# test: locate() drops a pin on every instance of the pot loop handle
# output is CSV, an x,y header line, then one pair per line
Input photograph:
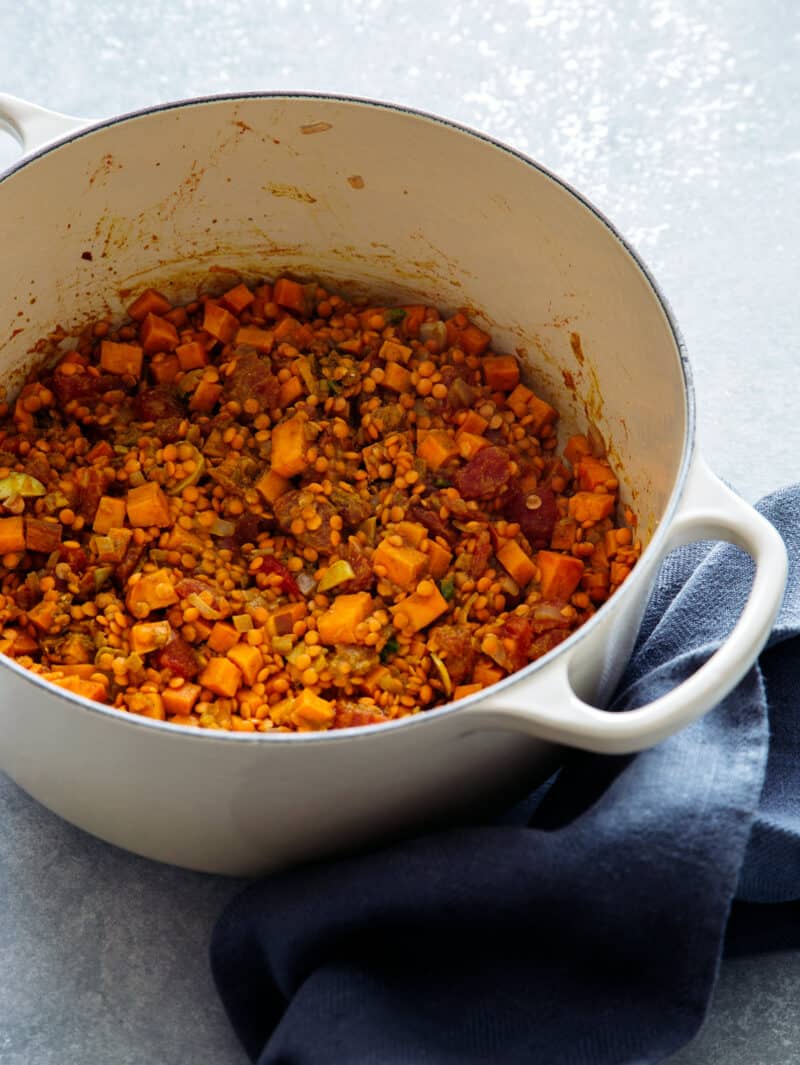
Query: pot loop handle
x,y
33,126
547,706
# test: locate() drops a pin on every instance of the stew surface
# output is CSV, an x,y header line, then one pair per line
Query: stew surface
x,y
276,510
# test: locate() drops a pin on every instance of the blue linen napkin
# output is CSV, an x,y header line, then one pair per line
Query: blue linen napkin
x,y
586,925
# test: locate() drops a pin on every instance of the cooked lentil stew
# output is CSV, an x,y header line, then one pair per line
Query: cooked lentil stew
x,y
277,510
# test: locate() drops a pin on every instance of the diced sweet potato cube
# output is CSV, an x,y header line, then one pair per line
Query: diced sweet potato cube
x,y
473,423
397,377
338,623
164,368
591,506
290,294
289,448
439,559
251,336
473,340
594,473
222,638
219,323
412,532
147,704
205,396
42,615
564,532
543,414
577,447
436,448
150,302
12,535
238,298
153,591
271,485
192,355
93,688
157,334
559,575
147,505
121,358
110,514
402,565
290,391
181,700
463,690
519,399
469,444
222,677
312,711
516,563
417,611
249,660
394,351
282,621
500,372
111,548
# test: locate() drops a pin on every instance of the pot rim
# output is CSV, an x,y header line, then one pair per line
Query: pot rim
x,y
620,596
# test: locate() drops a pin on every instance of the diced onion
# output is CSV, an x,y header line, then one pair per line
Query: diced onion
x,y
442,670
305,582
202,607
221,527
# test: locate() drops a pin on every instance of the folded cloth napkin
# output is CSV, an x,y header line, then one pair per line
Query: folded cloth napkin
x,y
584,927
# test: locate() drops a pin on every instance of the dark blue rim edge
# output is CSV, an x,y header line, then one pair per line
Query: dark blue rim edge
x,y
416,720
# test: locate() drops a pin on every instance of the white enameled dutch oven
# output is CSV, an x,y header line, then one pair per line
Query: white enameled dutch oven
x,y
367,198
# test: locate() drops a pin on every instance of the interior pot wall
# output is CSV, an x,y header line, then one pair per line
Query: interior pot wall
x,y
368,199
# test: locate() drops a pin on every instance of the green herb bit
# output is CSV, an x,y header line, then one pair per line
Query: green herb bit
x,y
391,647
448,588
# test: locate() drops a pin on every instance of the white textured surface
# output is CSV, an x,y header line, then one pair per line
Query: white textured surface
x,y
679,119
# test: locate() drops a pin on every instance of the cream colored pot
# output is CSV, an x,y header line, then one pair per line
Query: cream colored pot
x,y
365,197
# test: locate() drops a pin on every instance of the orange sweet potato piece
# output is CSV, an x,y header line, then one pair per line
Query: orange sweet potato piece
x,y
222,638
559,575
394,351
92,688
436,448
290,294
415,316
412,532
110,514
12,535
164,368
181,700
290,390
473,423
576,448
397,377
469,444
519,399
250,336
121,358
518,565
238,298
192,355
148,704
219,323
222,677
403,565
593,473
419,610
42,614
205,396
501,372
248,659
157,334
271,485
463,690
153,591
591,506
474,341
439,559
147,505
337,624
289,448
150,302
312,711
148,636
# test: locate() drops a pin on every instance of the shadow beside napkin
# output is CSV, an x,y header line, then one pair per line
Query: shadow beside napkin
x,y
586,927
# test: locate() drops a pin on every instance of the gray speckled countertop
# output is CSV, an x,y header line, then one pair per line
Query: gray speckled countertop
x,y
679,119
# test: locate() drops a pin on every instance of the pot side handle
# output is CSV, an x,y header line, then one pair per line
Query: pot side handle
x,y
33,126
546,705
